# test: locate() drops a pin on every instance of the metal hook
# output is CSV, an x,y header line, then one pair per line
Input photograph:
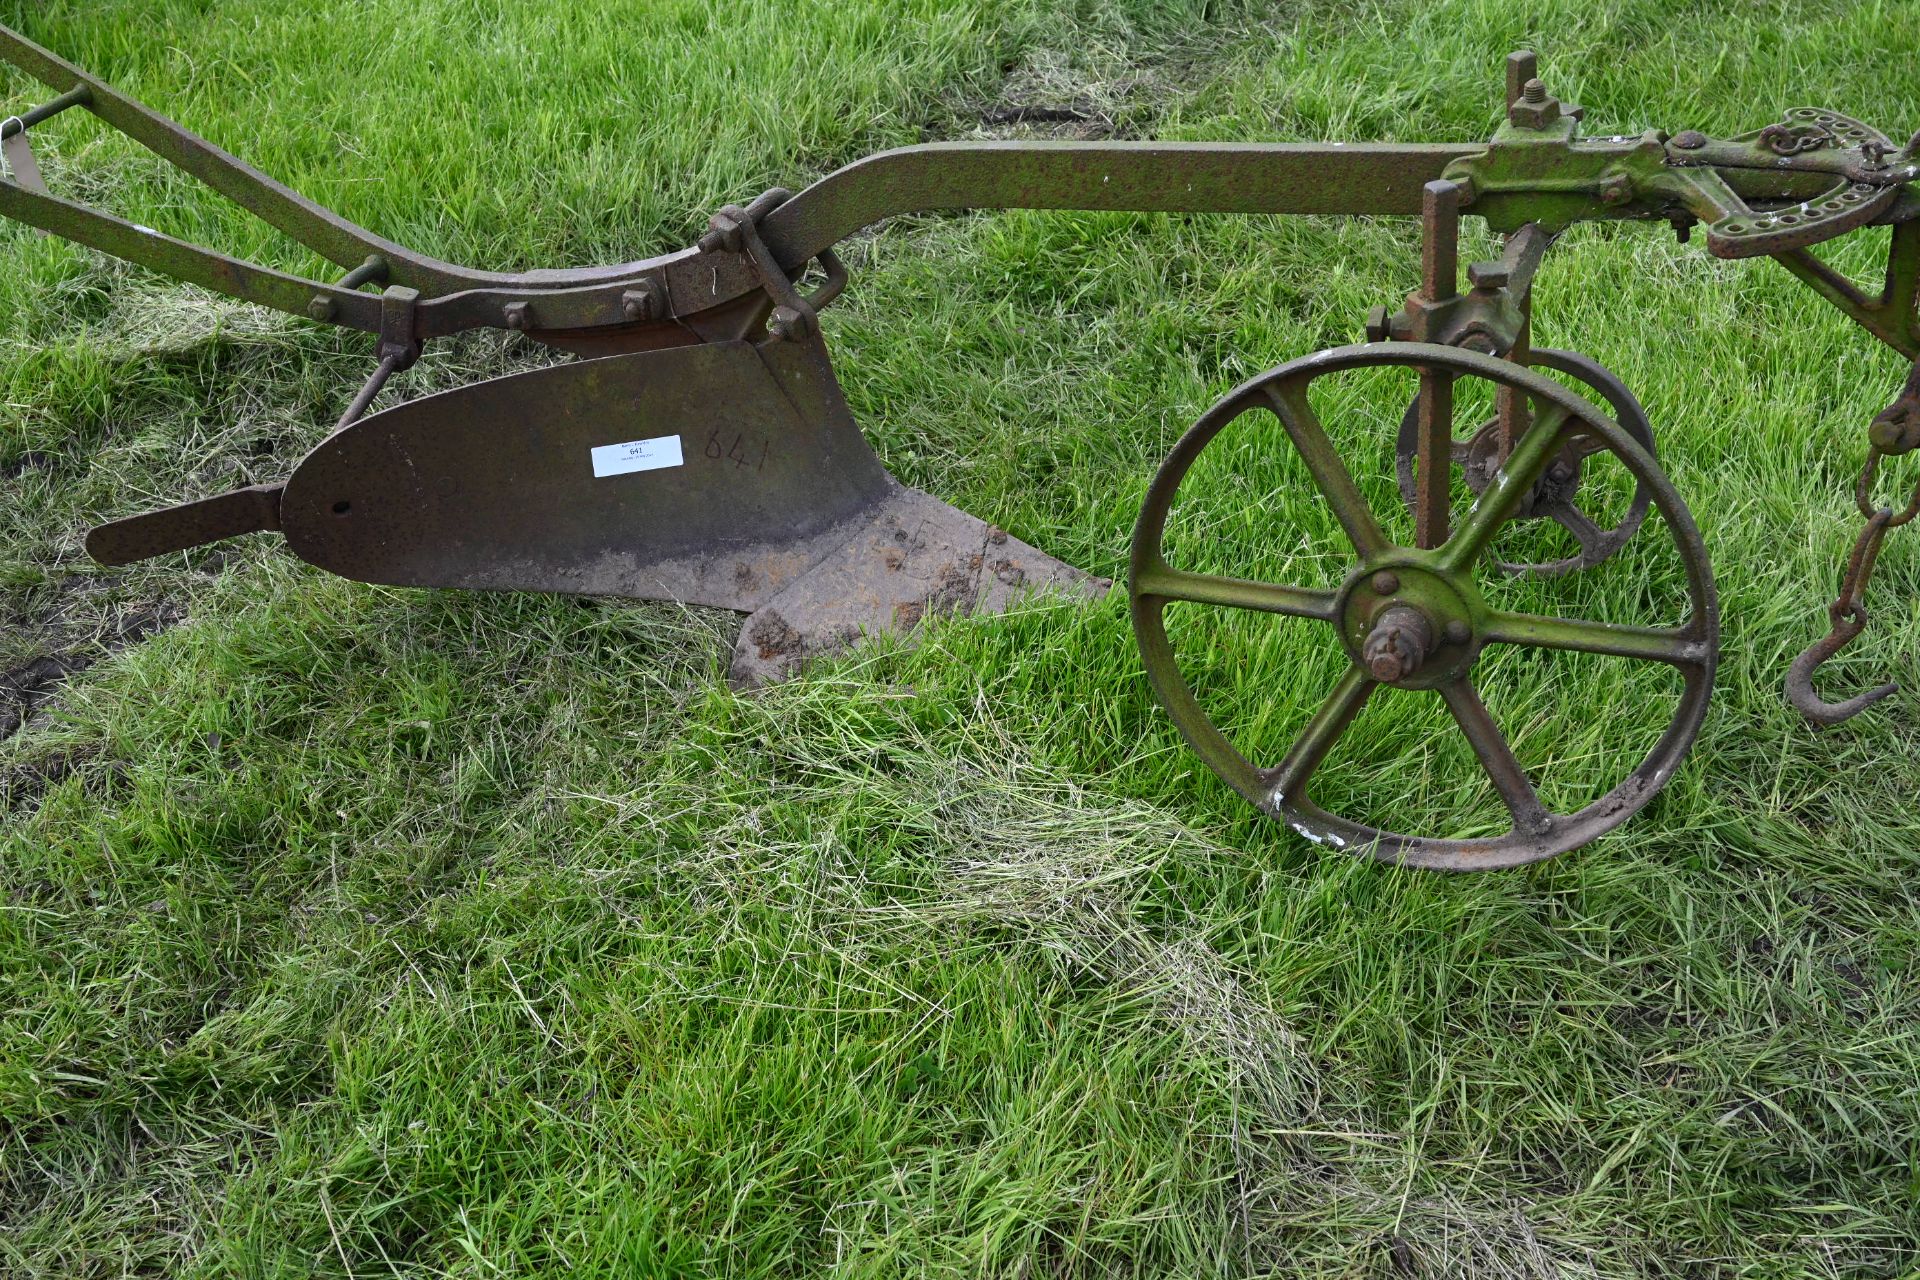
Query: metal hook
x,y
1849,619
1798,688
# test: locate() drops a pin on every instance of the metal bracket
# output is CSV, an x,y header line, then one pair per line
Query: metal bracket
x,y
399,326
737,230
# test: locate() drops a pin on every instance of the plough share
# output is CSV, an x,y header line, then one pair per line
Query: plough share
x,y
701,450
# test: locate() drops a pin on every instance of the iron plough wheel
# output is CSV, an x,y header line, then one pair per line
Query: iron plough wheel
x,y
1415,620
1556,494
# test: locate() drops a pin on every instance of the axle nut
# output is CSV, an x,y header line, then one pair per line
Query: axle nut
x,y
1398,644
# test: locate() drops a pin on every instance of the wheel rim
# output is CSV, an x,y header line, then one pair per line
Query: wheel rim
x,y
1453,626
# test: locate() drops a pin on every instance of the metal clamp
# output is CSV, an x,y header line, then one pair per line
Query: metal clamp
x,y
737,230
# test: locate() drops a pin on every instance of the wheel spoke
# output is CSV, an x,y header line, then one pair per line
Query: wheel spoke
x,y
1593,542
1645,644
1577,522
1504,490
1289,403
1496,757
1289,778
1236,593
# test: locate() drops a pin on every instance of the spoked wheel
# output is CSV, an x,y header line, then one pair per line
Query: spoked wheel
x,y
1556,496
1414,621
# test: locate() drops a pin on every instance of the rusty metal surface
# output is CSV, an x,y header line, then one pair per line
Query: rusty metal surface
x,y
191,524
914,560
492,486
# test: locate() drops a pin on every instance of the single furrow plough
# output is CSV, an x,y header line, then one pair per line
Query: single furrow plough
x,y
702,451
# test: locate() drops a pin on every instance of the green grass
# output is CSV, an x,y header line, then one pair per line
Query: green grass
x,y
357,931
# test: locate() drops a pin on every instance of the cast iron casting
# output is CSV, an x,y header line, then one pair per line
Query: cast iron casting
x,y
700,449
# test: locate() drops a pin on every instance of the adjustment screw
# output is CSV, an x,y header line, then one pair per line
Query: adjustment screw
x,y
1386,583
1458,632
516,314
1690,140
1534,90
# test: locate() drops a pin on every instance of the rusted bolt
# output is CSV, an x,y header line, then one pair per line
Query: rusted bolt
x,y
725,230
321,308
788,324
1386,582
1534,90
518,316
1560,472
1488,276
1398,643
1689,140
645,302
1378,325
1458,632
1616,190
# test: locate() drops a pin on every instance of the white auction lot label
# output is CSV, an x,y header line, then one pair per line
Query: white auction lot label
x,y
636,455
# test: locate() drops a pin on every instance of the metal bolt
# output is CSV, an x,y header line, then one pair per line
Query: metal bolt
x,y
321,308
1379,327
1690,140
1458,632
787,324
1386,582
1488,276
1534,90
1616,190
643,303
517,316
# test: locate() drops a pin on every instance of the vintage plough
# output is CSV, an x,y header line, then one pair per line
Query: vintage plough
x,y
702,451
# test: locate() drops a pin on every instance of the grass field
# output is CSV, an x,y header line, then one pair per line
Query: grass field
x,y
350,931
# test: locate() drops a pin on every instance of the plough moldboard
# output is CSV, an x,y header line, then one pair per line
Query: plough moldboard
x,y
701,450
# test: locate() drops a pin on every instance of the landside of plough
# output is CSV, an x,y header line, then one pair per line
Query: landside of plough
x,y
701,450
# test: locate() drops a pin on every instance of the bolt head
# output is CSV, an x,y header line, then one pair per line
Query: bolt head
x,y
643,303
1386,582
516,315
1689,140
1488,275
1458,632
1616,190
321,308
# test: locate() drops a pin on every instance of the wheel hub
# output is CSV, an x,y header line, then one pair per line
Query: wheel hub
x,y
1410,625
